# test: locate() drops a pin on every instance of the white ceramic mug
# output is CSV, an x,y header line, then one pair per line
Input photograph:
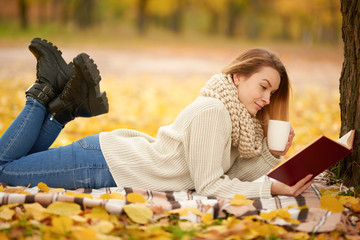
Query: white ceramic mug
x,y
278,134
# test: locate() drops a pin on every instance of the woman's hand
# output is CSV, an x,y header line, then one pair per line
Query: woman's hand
x,y
279,188
288,145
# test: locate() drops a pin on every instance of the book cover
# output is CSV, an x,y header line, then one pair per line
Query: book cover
x,y
315,158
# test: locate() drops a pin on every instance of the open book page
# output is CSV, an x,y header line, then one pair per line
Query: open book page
x,y
347,139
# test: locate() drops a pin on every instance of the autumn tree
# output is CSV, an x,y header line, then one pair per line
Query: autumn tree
x,y
177,16
141,16
23,7
84,16
235,8
349,169
215,9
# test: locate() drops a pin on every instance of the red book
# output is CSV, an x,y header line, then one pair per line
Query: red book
x,y
315,158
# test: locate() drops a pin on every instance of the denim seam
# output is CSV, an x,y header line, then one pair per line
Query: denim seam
x,y
33,105
55,171
86,146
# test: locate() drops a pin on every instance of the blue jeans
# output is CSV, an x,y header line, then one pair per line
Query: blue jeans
x,y
25,157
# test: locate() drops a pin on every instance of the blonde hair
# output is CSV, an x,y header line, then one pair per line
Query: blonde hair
x,y
249,63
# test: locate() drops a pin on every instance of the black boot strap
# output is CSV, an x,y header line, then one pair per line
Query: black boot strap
x,y
41,92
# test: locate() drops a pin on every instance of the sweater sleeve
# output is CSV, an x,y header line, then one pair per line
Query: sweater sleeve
x,y
210,136
251,169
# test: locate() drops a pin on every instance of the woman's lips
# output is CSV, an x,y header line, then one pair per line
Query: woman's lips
x,y
259,107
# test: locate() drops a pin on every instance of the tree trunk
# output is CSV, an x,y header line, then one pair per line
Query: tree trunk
x,y
213,28
141,16
23,7
84,15
176,18
232,18
349,168
65,11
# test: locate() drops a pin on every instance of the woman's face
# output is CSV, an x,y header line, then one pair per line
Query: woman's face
x,y
255,91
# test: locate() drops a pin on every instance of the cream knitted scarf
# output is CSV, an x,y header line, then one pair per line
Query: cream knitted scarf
x,y
247,133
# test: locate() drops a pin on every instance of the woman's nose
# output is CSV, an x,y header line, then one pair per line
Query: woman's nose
x,y
266,98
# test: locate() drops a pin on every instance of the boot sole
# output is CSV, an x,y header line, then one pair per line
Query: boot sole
x,y
38,43
97,100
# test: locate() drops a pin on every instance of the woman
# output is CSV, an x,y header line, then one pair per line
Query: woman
x,y
215,146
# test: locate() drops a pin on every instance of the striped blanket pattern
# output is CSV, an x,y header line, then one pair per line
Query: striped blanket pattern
x,y
312,218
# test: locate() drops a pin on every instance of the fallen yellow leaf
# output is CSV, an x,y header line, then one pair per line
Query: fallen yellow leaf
x,y
78,218
104,227
330,203
135,198
185,211
281,213
43,187
239,200
79,195
57,190
180,211
114,195
81,233
138,213
61,224
268,215
348,200
25,192
207,218
63,208
6,213
355,207
98,212
300,236
35,210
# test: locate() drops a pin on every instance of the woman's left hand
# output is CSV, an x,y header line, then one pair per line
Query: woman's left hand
x,y
288,145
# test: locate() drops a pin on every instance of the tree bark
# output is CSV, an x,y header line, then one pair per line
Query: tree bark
x,y
349,168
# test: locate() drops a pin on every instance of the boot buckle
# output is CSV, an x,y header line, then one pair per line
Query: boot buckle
x,y
42,96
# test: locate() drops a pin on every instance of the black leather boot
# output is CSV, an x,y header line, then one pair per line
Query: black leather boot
x,y
81,96
52,72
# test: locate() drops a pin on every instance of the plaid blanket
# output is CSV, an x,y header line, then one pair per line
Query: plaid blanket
x,y
312,218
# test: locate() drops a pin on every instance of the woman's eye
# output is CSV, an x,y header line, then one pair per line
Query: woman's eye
x,y
263,87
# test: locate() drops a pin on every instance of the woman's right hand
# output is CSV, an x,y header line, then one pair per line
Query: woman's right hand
x,y
279,188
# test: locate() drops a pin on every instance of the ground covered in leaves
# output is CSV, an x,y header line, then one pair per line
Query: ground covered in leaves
x,y
65,220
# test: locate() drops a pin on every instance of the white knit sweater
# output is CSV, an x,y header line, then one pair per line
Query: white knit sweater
x,y
192,153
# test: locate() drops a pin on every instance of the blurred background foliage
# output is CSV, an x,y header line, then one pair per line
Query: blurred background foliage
x,y
308,21
155,55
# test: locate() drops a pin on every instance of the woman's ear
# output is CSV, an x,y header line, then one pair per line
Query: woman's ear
x,y
236,79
